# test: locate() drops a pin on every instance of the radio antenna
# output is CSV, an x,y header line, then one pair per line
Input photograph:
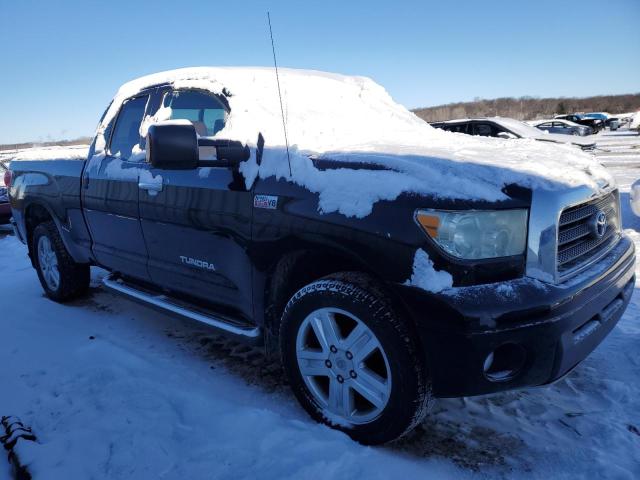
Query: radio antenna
x,y
275,63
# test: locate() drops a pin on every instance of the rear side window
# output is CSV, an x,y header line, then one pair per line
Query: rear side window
x,y
459,128
127,130
206,111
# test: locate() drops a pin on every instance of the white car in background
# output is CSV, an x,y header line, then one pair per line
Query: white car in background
x,y
510,128
635,122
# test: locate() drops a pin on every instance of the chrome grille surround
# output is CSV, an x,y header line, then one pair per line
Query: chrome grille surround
x,y
577,245
546,236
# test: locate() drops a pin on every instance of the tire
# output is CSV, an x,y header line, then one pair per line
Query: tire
x,y
72,278
398,363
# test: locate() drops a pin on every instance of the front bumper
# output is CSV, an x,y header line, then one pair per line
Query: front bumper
x,y
555,325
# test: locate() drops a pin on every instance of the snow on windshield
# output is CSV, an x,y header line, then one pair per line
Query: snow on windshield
x,y
355,119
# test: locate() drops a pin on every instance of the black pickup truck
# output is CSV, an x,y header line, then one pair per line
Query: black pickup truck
x,y
373,313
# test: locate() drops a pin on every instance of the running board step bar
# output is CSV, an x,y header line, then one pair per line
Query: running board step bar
x,y
165,304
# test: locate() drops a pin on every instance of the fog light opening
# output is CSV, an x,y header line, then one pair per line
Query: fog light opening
x,y
504,363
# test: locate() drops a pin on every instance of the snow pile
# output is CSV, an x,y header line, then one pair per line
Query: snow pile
x,y
354,119
111,396
426,277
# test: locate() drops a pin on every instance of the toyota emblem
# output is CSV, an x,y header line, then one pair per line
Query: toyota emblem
x,y
599,224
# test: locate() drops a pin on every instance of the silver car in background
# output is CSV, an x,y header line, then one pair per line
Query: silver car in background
x,y
563,127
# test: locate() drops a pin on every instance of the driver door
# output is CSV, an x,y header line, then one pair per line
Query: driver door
x,y
197,226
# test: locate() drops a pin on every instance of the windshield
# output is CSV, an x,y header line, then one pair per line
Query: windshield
x,y
519,128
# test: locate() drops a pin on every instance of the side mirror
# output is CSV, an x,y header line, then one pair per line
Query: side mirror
x,y
172,145
229,153
506,135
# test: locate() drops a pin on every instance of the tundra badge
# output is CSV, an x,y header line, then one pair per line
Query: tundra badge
x,y
198,263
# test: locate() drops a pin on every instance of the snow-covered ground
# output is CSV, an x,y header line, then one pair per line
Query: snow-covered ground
x,y
114,390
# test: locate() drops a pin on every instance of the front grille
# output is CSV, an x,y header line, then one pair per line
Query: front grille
x,y
577,241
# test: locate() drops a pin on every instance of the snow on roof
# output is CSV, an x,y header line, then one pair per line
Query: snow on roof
x,y
354,119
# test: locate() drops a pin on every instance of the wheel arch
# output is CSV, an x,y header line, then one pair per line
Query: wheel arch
x,y
297,268
36,213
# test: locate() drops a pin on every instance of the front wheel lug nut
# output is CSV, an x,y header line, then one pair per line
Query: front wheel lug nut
x,y
349,355
328,363
353,374
340,379
333,349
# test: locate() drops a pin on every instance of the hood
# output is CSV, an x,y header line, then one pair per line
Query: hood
x,y
451,166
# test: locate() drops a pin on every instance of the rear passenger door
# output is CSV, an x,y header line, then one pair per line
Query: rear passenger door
x,y
559,127
197,228
110,194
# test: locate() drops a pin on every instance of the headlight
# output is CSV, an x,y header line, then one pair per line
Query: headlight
x,y
476,234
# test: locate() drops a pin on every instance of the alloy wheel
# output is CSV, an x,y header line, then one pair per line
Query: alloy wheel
x,y
343,365
48,263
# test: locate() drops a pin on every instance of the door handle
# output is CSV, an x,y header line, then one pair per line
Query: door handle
x,y
150,186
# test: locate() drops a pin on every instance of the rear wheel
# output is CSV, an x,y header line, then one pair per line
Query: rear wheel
x,y
351,361
61,277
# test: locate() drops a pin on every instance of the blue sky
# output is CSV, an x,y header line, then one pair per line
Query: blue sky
x,y
62,61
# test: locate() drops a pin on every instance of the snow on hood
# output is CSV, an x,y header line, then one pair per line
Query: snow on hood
x,y
354,119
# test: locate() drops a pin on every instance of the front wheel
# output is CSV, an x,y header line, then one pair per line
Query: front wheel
x,y
61,277
352,362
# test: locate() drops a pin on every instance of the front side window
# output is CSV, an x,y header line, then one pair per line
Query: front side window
x,y
206,111
485,130
126,134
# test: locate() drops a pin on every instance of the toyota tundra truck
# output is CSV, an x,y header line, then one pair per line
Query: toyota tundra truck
x,y
386,263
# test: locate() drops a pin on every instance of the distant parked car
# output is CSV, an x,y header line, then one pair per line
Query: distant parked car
x,y
634,124
5,208
611,122
564,127
595,123
503,127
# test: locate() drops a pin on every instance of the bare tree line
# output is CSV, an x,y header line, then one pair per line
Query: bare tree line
x,y
530,108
